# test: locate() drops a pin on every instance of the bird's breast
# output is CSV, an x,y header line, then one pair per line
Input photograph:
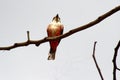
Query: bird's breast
x,y
54,30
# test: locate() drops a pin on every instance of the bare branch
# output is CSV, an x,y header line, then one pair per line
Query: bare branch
x,y
118,69
96,62
28,35
114,61
46,39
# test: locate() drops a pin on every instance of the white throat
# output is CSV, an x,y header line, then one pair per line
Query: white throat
x,y
54,22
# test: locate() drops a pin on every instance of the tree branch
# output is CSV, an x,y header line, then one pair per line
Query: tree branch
x,y
118,69
28,35
114,61
46,39
96,62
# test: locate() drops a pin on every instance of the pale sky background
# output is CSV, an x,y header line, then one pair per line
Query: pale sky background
x,y
74,55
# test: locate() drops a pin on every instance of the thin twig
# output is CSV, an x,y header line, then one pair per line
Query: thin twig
x,y
96,62
46,39
118,69
114,61
28,35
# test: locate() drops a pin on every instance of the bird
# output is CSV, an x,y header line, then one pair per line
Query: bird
x,y
55,28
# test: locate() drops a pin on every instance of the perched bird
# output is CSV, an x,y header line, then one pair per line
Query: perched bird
x,y
55,28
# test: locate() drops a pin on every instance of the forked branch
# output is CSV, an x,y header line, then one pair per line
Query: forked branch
x,y
114,61
96,64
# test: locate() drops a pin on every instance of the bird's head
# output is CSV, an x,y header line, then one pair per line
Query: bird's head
x,y
56,18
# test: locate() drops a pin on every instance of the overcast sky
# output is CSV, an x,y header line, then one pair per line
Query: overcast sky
x,y
74,54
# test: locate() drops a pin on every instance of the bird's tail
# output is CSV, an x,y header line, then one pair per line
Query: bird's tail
x,y
51,55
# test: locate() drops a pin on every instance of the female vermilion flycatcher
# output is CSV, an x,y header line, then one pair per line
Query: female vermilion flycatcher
x,y
54,29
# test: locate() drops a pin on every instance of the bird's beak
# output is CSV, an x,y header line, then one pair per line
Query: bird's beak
x,y
57,16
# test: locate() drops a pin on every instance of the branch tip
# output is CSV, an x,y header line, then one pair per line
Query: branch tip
x,y
28,35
